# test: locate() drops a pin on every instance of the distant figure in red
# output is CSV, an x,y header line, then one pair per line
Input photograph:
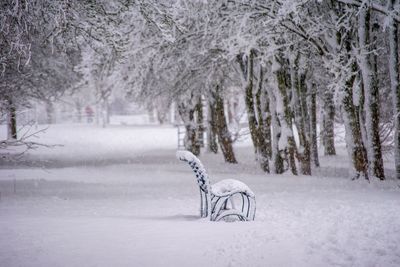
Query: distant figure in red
x,y
89,114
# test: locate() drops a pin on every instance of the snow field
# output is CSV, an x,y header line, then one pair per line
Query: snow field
x,y
118,196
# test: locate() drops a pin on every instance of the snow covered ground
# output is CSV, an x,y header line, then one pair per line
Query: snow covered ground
x,y
118,197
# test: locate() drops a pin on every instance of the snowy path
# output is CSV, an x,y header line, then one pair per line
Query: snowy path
x,y
110,204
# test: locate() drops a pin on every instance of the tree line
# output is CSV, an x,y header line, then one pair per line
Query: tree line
x,y
290,59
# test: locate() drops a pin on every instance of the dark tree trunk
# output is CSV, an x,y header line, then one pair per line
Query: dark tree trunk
x,y
249,100
287,120
11,120
306,129
354,141
371,95
191,135
257,112
212,128
78,106
301,118
161,116
304,156
49,112
395,83
264,125
276,156
200,122
328,127
378,168
187,114
313,126
353,129
224,136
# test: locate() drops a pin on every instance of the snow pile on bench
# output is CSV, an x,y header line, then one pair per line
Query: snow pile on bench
x,y
230,187
186,156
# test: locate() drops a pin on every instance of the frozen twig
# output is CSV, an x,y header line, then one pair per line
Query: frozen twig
x,y
14,149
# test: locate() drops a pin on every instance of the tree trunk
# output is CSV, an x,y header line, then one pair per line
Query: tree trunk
x,y
286,120
301,116
249,100
264,125
354,143
230,111
350,113
394,83
371,96
187,114
306,131
224,137
11,119
276,156
312,104
258,119
212,128
328,126
49,112
161,115
108,114
98,113
200,122
78,106
104,113
191,143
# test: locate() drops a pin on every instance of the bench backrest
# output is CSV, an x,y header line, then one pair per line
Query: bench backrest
x,y
201,175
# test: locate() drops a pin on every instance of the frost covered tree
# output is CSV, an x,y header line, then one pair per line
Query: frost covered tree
x,y
274,46
37,60
34,54
393,36
297,62
371,92
39,50
178,65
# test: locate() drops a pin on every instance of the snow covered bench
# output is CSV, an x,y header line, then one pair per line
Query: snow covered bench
x,y
217,200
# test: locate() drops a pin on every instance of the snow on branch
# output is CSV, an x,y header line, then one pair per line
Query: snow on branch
x,y
376,7
14,149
